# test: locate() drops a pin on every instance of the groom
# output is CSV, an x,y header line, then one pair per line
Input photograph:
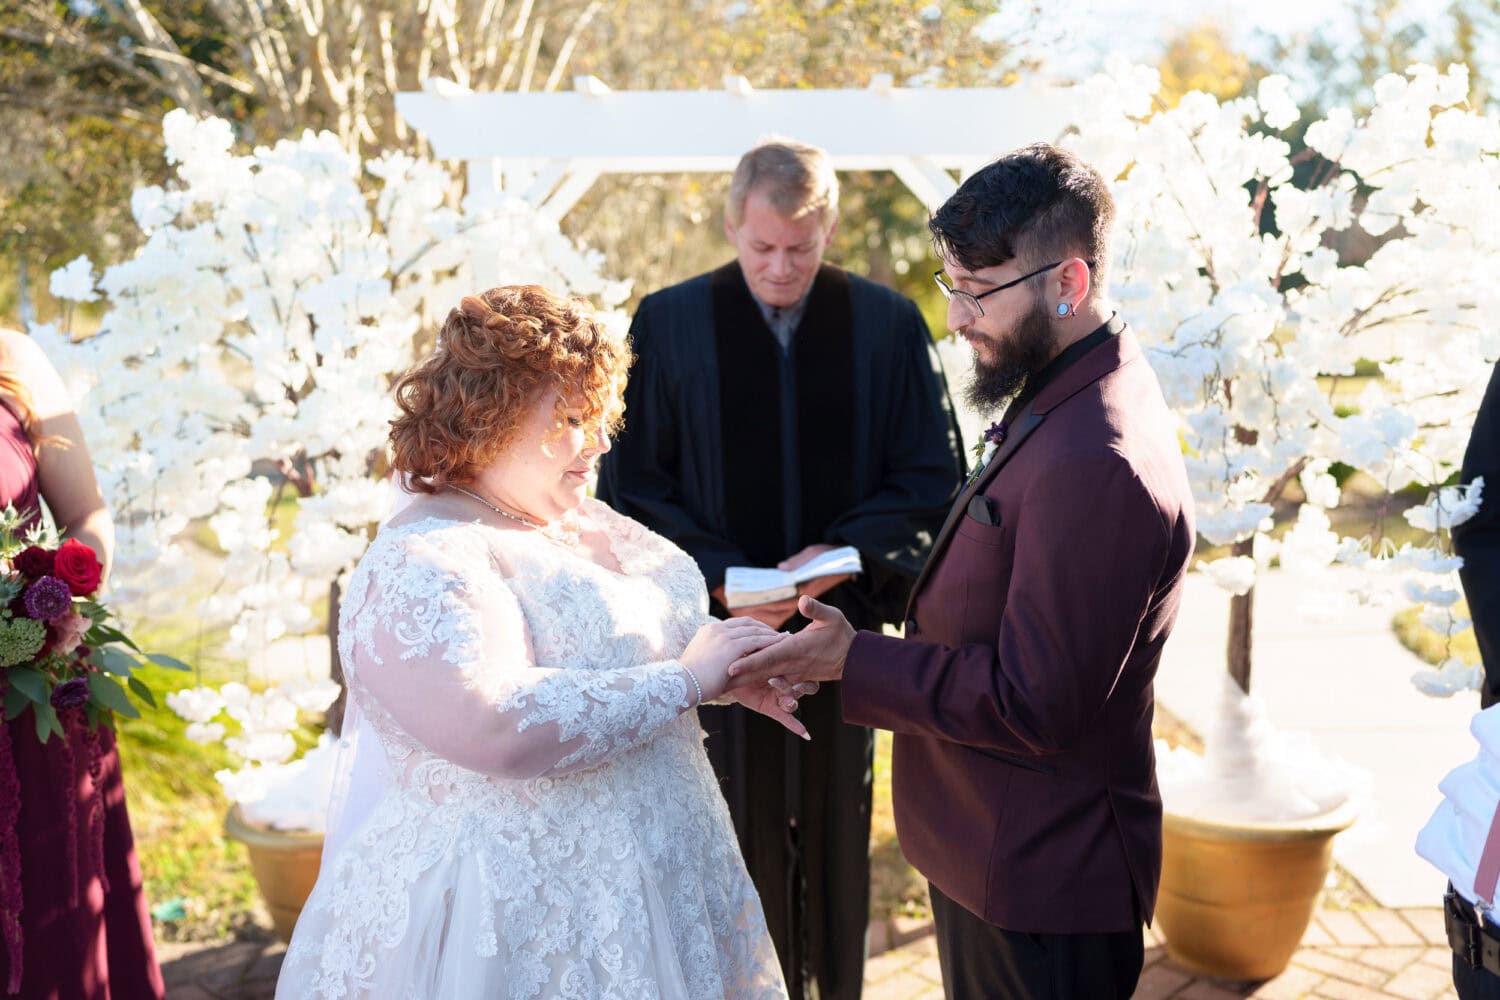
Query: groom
x,y
1021,696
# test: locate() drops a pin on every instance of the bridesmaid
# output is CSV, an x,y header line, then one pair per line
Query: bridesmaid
x,y
84,932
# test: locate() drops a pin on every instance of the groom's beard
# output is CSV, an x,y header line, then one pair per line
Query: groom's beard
x,y
1027,350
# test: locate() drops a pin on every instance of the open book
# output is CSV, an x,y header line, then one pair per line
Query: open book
x,y
746,585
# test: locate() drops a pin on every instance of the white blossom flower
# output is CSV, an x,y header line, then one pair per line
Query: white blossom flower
x,y
246,784
1353,551
1319,487
205,732
1453,676
311,694
294,795
1427,559
1229,526
1311,545
1236,574
1447,507
1275,99
263,748
74,281
1440,596
236,696
196,704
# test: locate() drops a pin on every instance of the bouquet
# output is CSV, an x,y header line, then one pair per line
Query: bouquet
x,y
59,651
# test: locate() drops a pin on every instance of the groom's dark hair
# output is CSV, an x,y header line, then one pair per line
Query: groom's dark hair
x,y
1038,204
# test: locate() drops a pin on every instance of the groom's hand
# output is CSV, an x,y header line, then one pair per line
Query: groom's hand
x,y
816,653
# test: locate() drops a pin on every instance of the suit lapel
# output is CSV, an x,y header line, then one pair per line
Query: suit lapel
x,y
1013,441
1118,350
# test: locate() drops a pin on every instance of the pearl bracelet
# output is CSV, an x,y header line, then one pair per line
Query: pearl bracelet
x,y
692,677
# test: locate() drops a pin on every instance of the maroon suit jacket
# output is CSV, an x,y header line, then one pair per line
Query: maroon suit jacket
x,y
1021,697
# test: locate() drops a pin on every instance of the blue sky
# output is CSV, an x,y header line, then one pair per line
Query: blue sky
x,y
1075,36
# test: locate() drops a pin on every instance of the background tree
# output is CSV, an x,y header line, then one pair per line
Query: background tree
x,y
84,87
662,229
274,68
1228,254
1338,62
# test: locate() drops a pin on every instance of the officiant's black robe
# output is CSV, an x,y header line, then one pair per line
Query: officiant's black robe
x,y
743,453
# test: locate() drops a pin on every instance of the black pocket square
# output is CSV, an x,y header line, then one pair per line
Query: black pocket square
x,y
982,509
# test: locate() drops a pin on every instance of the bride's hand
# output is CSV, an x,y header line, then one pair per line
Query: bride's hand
x,y
776,699
718,644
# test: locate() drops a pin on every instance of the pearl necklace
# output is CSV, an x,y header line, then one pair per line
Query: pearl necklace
x,y
562,533
538,525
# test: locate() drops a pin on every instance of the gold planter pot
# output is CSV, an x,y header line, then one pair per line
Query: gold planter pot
x,y
285,865
1236,898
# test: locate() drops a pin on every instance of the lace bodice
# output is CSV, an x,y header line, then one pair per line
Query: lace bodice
x,y
548,805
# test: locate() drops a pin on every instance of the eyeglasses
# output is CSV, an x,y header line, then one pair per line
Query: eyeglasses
x,y
971,301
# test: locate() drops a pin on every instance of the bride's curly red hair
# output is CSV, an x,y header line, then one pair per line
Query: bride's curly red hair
x,y
498,352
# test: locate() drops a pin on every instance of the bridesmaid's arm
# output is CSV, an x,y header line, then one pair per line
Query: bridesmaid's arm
x,y
64,469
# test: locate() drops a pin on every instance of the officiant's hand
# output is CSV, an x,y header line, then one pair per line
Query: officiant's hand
x,y
816,653
818,585
775,614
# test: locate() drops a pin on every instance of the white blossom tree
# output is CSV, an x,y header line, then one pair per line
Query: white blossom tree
x,y
247,351
1227,264
1226,257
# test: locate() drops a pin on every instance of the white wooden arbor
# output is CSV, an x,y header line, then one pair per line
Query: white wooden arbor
x,y
551,147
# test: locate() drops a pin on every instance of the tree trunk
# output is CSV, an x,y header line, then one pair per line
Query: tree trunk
x,y
335,714
24,306
1241,624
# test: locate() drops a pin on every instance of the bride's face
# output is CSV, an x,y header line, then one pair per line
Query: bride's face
x,y
546,468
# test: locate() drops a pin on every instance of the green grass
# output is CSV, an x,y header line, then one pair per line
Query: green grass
x,y
176,805
896,888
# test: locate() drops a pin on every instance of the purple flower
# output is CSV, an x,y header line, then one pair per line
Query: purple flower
x,y
48,599
70,694
996,434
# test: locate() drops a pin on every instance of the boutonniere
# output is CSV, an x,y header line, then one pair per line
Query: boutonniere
x,y
986,446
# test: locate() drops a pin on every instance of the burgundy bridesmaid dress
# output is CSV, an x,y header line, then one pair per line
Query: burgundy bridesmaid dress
x,y
73,917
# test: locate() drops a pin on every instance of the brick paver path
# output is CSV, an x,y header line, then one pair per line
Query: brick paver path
x,y
1346,954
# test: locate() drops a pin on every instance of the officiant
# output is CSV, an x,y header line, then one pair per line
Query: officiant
x,y
779,407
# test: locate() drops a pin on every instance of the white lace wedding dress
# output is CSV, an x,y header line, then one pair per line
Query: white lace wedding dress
x,y
536,815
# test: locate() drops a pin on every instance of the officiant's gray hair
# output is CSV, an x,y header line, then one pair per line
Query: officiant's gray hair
x,y
796,177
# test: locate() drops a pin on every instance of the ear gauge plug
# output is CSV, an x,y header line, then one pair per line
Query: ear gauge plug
x,y
1063,309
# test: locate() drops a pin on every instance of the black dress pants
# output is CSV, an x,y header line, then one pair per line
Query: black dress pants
x,y
1474,983
1471,982
983,962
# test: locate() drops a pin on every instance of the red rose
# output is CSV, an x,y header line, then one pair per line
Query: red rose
x,y
34,562
78,567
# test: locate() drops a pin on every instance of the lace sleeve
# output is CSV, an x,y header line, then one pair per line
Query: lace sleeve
x,y
440,645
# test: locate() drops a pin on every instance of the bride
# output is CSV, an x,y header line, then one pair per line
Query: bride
x,y
526,809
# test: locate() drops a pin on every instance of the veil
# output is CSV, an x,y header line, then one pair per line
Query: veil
x,y
361,773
